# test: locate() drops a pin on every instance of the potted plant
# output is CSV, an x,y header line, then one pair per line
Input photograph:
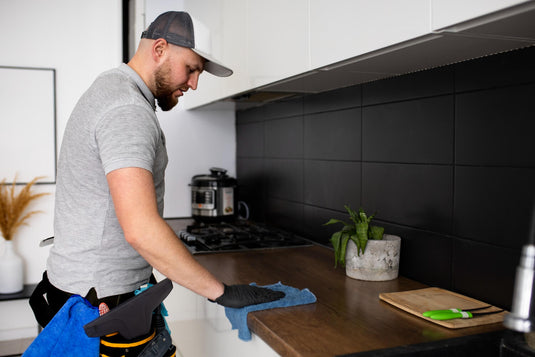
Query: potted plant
x,y
12,216
365,251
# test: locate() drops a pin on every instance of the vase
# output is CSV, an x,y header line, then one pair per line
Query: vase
x,y
11,270
379,262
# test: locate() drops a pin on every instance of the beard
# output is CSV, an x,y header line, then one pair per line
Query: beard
x,y
164,92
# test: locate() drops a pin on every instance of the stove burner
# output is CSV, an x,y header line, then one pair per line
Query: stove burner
x,y
236,236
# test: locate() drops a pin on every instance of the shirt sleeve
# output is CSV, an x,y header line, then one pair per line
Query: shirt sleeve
x,y
127,136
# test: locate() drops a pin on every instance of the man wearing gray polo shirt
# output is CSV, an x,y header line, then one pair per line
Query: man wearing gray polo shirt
x,y
109,230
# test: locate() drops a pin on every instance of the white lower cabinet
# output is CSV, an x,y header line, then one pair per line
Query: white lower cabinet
x,y
200,328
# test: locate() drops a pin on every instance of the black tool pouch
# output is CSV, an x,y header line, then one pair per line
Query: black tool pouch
x,y
136,327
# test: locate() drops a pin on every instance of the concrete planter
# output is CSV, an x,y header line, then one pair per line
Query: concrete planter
x,y
379,262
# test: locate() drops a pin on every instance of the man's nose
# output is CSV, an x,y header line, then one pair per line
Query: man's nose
x,y
193,80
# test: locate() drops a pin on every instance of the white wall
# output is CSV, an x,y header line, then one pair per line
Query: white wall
x,y
81,39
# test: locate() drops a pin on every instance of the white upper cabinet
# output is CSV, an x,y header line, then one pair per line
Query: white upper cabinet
x,y
277,39
341,29
445,13
227,21
316,45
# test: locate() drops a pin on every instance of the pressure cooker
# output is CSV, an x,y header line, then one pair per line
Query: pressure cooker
x,y
213,196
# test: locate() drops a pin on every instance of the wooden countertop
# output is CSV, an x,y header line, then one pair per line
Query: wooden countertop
x,y
348,316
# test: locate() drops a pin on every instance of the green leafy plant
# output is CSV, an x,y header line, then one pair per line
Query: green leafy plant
x,y
358,230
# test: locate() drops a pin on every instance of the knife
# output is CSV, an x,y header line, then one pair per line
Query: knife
x,y
432,312
461,315
451,314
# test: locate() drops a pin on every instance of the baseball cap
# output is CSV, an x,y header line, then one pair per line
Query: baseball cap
x,y
179,28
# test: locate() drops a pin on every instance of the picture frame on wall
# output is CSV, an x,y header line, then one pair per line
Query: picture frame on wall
x,y
28,124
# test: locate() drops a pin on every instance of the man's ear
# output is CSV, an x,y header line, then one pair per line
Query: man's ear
x,y
159,48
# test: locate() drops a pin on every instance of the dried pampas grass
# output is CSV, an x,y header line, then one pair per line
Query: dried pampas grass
x,y
12,206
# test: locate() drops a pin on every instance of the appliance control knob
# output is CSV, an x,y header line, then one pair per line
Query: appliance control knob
x,y
185,236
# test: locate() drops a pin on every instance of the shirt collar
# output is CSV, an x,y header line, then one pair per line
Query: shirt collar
x,y
140,83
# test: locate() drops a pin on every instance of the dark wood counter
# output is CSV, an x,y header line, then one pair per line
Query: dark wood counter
x,y
348,316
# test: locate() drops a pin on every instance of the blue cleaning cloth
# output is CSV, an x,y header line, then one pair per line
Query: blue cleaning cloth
x,y
294,296
64,335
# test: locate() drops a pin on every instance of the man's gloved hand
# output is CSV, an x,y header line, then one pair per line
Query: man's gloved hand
x,y
238,296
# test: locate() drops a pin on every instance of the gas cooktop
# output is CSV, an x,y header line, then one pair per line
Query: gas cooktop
x,y
237,235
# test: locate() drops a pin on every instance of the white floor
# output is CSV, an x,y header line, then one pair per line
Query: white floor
x,y
14,347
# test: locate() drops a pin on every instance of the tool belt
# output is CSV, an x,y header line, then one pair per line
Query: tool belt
x,y
133,327
46,300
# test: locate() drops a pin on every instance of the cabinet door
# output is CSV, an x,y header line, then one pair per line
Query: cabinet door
x,y
446,13
277,40
342,29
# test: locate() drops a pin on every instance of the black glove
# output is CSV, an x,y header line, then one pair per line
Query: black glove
x,y
242,295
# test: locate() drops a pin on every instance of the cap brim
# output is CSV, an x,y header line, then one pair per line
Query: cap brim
x,y
212,66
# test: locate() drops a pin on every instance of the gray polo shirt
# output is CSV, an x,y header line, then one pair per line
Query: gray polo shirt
x,y
113,126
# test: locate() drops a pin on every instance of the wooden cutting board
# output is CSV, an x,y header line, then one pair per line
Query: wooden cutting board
x,y
418,301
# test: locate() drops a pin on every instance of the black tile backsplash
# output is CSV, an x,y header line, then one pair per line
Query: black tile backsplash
x,y
418,85
492,204
514,68
284,179
334,135
444,156
332,184
284,138
416,131
415,195
496,126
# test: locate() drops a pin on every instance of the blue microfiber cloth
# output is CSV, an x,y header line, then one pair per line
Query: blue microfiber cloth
x,y
294,296
64,335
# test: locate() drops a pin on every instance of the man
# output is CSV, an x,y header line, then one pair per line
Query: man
x,y
109,230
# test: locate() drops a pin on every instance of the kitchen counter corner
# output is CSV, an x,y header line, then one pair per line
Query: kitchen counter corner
x,y
348,316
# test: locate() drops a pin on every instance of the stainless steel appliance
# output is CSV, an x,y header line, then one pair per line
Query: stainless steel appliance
x,y
238,235
213,196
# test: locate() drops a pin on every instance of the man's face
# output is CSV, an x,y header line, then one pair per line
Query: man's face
x,y
178,72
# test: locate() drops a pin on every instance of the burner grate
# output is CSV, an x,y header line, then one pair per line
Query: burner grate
x,y
237,236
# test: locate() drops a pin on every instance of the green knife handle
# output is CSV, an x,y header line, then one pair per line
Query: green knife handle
x,y
432,312
451,315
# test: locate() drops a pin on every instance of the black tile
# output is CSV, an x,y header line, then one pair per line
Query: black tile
x,y
251,115
332,184
333,100
419,196
255,203
284,179
425,256
314,224
508,68
493,204
250,173
283,109
495,127
415,85
250,176
250,140
416,131
284,138
285,215
333,135
485,272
